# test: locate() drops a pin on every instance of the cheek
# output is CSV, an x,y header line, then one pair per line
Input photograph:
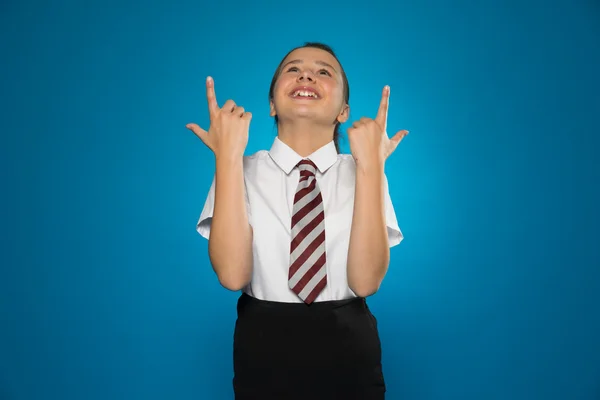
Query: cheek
x,y
280,86
277,94
335,90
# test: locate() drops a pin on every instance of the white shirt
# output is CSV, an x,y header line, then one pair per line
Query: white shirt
x,y
270,183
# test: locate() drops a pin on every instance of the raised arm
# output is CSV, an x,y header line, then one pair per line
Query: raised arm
x,y
230,241
369,253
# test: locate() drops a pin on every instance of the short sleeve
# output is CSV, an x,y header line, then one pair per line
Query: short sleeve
x,y
394,234
204,222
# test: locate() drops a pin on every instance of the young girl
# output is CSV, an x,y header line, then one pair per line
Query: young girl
x,y
304,232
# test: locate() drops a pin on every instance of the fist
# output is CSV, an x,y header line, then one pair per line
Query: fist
x,y
227,134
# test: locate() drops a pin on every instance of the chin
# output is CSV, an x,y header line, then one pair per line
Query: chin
x,y
305,113
299,113
290,111
314,118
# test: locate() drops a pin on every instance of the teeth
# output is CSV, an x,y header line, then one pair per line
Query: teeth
x,y
304,93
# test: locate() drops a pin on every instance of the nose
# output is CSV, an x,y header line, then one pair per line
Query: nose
x,y
306,75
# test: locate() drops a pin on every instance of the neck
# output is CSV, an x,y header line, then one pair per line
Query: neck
x,y
304,137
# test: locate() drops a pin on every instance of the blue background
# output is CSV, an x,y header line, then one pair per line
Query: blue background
x,y
106,291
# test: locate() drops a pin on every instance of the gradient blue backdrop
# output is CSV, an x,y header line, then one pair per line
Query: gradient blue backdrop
x,y
106,291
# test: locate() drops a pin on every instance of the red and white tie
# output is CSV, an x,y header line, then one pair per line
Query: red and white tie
x,y
307,274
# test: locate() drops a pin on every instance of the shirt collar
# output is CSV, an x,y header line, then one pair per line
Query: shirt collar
x,y
286,158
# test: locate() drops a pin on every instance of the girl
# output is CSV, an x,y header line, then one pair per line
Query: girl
x,y
304,232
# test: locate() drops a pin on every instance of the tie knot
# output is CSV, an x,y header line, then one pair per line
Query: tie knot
x,y
306,166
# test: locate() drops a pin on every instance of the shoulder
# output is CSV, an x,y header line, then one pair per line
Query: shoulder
x,y
259,166
257,156
346,160
256,159
345,164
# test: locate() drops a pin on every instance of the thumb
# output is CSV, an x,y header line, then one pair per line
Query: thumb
x,y
201,133
397,138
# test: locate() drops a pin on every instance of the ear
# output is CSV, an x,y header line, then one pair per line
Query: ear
x,y
272,111
344,114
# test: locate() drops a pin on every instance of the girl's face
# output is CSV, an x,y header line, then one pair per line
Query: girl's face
x,y
310,85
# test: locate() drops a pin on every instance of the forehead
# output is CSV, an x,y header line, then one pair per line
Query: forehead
x,y
312,55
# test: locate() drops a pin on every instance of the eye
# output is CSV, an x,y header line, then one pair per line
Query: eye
x,y
324,71
292,69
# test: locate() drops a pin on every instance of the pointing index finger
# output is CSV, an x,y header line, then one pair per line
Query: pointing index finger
x,y
383,108
213,107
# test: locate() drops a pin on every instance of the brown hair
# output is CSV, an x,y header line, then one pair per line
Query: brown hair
x,y
336,132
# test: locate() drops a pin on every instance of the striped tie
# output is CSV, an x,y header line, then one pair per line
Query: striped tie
x,y
307,274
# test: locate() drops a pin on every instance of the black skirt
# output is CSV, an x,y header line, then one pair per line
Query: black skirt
x,y
326,350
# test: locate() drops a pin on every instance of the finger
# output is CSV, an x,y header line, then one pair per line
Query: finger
x,y
247,116
397,138
229,106
239,111
201,133
211,97
382,114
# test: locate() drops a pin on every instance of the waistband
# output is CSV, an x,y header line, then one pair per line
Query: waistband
x,y
247,302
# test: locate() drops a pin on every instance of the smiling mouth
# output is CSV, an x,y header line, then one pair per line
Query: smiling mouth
x,y
304,94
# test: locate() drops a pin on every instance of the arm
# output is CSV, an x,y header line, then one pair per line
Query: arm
x,y
230,242
369,253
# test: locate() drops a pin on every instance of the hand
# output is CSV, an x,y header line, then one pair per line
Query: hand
x,y
228,131
369,142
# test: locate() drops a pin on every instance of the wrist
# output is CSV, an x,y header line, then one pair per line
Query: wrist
x,y
370,168
229,159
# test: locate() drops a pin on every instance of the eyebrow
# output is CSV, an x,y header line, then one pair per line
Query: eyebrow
x,y
323,63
